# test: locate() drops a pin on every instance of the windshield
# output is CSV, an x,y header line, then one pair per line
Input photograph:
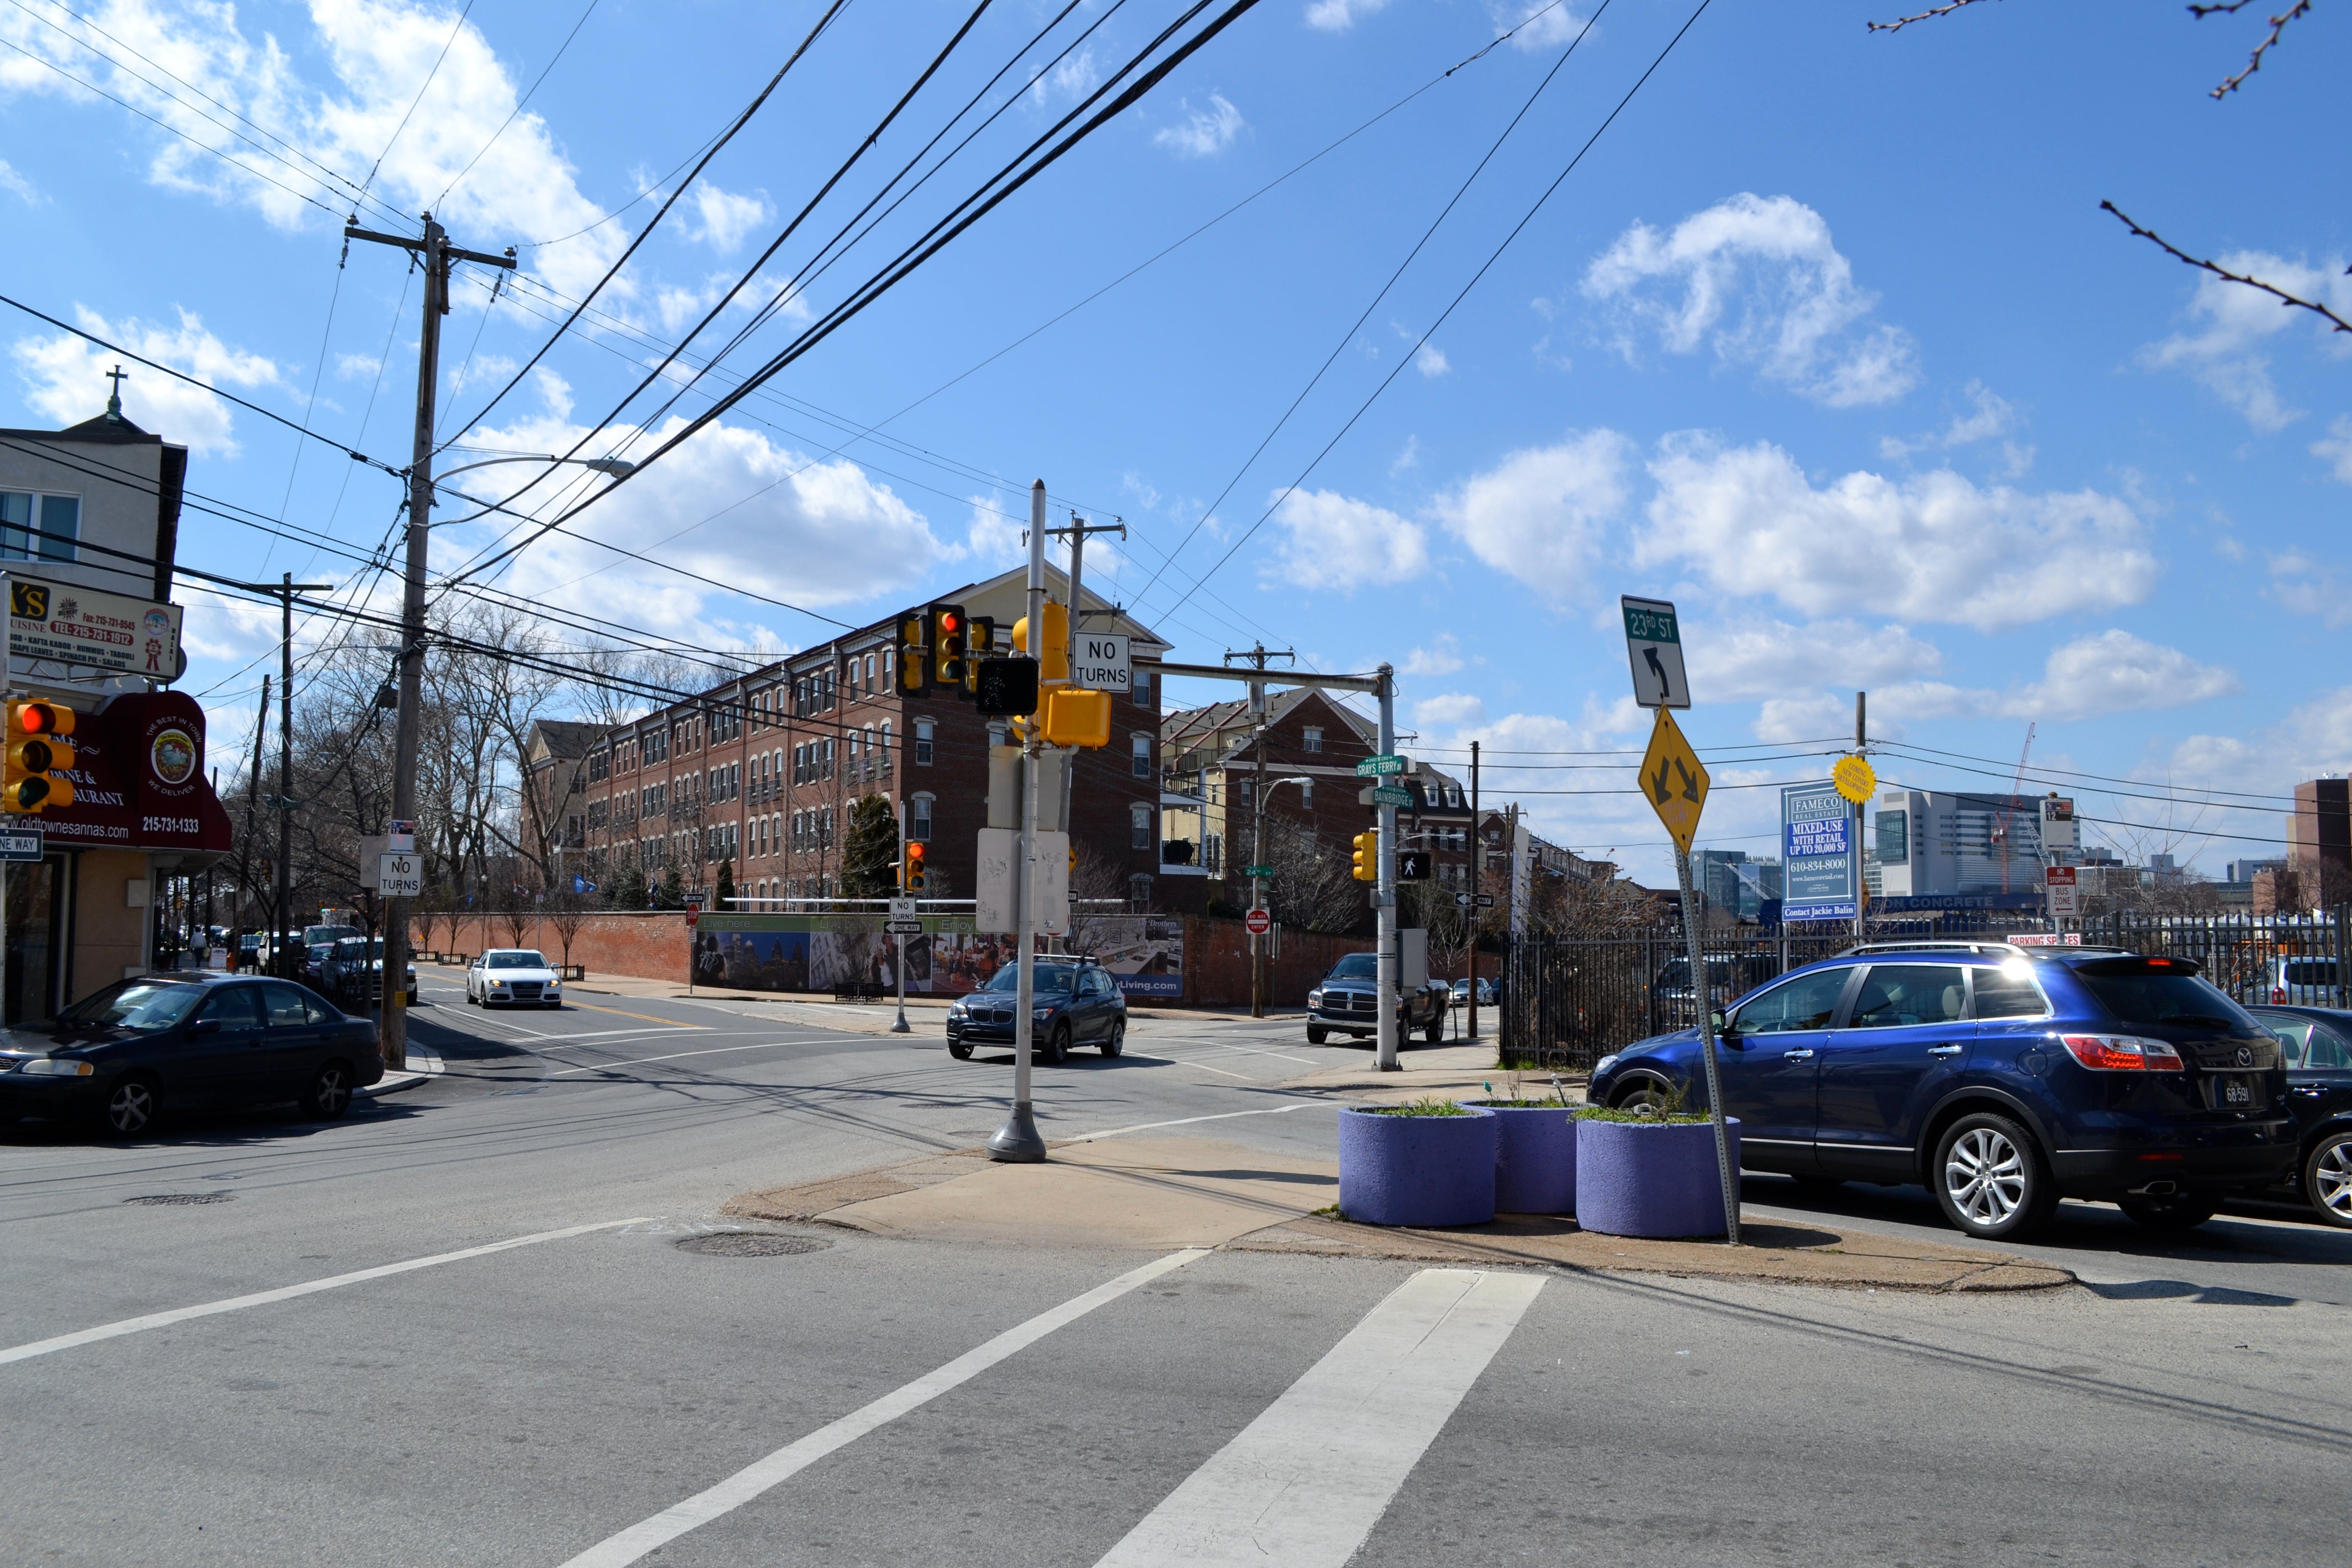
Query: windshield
x,y
1050,977
2135,994
136,1005
1356,967
353,948
514,960
316,934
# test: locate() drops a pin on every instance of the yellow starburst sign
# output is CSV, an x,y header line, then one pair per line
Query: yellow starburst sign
x,y
1674,780
1854,779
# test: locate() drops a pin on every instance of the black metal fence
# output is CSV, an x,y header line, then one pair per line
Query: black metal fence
x,y
1568,1001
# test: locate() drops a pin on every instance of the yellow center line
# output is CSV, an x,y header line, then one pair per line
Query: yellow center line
x,y
648,1017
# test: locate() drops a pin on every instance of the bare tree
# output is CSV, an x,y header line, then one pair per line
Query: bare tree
x,y
1314,887
567,911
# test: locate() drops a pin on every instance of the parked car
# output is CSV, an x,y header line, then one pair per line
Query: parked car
x,y
187,1038
352,976
314,963
2295,982
1461,997
2318,1042
1347,1001
1070,1005
514,976
2002,1079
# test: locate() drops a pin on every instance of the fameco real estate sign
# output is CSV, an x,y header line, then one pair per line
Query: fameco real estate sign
x,y
70,624
1820,868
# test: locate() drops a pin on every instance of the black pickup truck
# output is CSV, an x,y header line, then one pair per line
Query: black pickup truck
x,y
1347,1001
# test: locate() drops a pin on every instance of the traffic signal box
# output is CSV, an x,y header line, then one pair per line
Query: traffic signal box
x,y
910,870
979,643
914,654
945,624
1368,857
37,757
1054,663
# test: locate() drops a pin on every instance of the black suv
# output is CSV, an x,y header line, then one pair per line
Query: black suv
x,y
1347,1001
1071,1004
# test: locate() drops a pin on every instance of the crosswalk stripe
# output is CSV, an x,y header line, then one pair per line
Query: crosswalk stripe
x,y
1304,1484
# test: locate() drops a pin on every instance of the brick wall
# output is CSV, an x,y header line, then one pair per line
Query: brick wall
x,y
647,945
1217,963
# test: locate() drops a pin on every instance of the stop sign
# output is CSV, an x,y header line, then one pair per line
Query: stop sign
x,y
1260,922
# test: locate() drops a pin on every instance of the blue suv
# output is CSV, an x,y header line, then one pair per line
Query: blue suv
x,y
2002,1077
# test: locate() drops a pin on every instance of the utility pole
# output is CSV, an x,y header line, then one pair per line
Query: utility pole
x,y
1017,1141
1860,880
1477,853
1256,656
1385,914
285,769
438,256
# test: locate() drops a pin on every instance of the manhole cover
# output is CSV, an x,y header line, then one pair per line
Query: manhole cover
x,y
175,1200
749,1243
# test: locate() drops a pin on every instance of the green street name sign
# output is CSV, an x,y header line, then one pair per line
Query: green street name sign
x,y
1373,767
1257,871
1390,794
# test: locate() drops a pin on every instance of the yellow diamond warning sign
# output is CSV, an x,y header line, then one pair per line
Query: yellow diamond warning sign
x,y
1674,780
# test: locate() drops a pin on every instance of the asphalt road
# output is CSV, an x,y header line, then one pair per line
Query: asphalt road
x,y
596,1388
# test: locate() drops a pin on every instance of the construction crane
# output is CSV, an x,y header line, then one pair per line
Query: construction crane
x,y
2006,818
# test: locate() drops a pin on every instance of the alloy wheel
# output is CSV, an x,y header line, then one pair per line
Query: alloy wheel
x,y
331,1093
1985,1174
131,1107
2331,1181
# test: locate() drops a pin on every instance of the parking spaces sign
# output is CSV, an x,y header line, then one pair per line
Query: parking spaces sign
x,y
1822,863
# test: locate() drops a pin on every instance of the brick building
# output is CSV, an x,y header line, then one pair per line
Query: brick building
x,y
763,770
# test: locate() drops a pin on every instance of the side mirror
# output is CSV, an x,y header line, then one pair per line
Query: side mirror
x,y
1723,1025
204,1027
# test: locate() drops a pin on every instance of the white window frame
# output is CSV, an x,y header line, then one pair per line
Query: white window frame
x,y
926,742
1311,739
26,547
919,817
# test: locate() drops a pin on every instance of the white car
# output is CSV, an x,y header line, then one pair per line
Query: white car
x,y
513,976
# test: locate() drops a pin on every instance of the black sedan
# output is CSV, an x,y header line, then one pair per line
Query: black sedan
x,y
185,1039
2319,1092
1071,1004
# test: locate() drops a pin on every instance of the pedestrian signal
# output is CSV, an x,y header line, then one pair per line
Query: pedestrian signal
x,y
1367,857
37,757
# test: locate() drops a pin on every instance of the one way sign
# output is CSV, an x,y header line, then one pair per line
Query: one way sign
x,y
1674,780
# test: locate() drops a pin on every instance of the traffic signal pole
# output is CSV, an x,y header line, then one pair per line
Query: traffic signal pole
x,y
1388,961
1017,1141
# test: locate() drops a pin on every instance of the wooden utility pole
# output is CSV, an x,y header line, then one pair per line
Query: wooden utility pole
x,y
1257,656
437,256
1477,853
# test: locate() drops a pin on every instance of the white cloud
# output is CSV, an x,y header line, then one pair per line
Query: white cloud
x,y
1451,708
2309,587
1931,548
1331,541
64,378
1431,361
1554,23
2231,323
10,180
2336,447
774,522
1540,513
1991,417
1204,132
1760,283
1074,77
2116,672
994,537
1339,15
727,217
357,367
1443,656
1758,660
479,370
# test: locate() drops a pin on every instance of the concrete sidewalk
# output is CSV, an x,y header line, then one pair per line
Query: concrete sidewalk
x,y
1170,1192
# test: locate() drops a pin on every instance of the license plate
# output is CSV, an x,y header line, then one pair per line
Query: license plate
x,y
2231,1091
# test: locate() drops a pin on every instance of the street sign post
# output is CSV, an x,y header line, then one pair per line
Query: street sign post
x,y
1259,922
21,843
2065,893
1822,866
902,908
903,927
1461,901
1654,646
1257,871
1391,795
1375,767
1674,780
400,876
1098,662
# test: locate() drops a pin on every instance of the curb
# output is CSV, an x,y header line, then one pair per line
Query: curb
x,y
423,1067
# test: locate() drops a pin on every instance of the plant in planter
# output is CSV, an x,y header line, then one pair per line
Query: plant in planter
x,y
1430,1163
1535,1149
1650,1171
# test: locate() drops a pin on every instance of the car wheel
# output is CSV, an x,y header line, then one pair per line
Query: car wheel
x,y
2328,1179
2174,1211
960,1050
1116,1041
1436,1034
329,1094
1991,1180
131,1109
1316,1036
1641,1090
1057,1045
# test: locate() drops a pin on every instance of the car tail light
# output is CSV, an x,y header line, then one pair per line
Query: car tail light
x,y
2278,993
2121,1053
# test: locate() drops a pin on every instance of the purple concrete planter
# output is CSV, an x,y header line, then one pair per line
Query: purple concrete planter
x,y
1417,1169
1535,1158
1653,1181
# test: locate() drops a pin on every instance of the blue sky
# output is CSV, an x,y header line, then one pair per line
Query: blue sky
x,y
1826,339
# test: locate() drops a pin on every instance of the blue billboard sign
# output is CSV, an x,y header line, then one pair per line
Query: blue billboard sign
x,y
1820,860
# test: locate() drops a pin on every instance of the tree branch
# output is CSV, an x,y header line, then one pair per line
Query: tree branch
x,y
1900,23
2273,289
2278,26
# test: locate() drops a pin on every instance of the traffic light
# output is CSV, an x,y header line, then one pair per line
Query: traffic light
x,y
1003,688
1412,865
947,626
979,643
38,756
1054,663
1368,857
910,870
914,663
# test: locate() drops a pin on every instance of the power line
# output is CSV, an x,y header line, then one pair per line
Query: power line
x,y
422,88
512,115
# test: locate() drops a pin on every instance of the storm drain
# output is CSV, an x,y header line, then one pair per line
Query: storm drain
x,y
177,1200
750,1244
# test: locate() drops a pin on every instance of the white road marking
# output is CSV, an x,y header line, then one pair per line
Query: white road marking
x,y
1204,1066
1188,1120
288,1292
1304,1484
715,1051
1260,1051
788,1461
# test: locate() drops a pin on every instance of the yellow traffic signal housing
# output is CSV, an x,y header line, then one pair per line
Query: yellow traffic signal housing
x,y
1075,718
979,643
37,757
910,870
947,628
1368,857
1054,664
914,663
